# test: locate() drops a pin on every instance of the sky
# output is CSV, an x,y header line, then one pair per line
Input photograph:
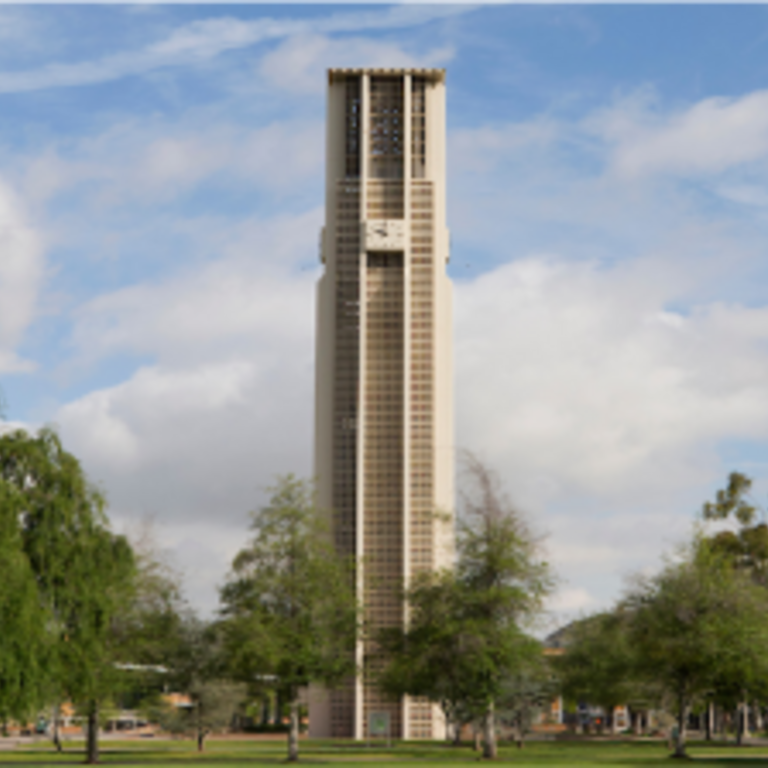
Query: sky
x,y
161,194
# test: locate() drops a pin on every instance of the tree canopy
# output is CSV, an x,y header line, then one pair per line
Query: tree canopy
x,y
466,636
599,665
24,642
697,622
290,616
81,571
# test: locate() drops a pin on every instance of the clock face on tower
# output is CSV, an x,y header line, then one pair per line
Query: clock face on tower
x,y
384,235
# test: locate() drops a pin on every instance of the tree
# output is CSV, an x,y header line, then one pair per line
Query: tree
x,y
24,642
289,610
214,705
193,662
465,635
83,572
525,693
150,628
198,666
156,631
747,550
747,547
697,622
433,658
599,665
504,581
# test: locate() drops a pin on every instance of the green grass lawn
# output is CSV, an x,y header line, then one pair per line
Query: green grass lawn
x,y
235,754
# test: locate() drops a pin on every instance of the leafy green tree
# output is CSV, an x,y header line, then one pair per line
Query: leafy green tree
x,y
290,616
150,629
82,570
194,663
599,664
434,658
504,581
747,547
697,622
526,693
466,635
87,658
24,642
156,636
215,703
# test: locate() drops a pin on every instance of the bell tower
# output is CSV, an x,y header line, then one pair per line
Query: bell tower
x,y
384,448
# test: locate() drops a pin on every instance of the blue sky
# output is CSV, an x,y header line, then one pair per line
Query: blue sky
x,y
161,176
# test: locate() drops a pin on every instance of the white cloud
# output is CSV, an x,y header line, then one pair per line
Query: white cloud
x,y
276,156
604,412
19,31
21,273
571,599
602,409
156,159
575,371
708,137
480,150
192,438
194,447
252,299
202,40
294,65
745,193
151,162
204,552
143,6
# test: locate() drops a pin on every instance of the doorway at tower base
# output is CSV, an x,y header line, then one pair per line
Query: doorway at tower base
x,y
321,725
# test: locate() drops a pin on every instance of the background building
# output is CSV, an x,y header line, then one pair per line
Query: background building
x,y
384,410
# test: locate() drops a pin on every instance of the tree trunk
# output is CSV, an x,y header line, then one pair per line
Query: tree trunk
x,y
637,722
92,738
757,709
452,728
745,712
278,713
490,751
200,739
293,733
709,720
476,738
682,717
742,723
56,714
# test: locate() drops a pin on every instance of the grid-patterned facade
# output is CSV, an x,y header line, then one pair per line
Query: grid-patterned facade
x,y
345,404
383,449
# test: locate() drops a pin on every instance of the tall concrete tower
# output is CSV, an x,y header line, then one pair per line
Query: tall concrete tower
x,y
384,396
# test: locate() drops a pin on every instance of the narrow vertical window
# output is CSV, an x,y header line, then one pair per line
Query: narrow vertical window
x,y
418,127
352,128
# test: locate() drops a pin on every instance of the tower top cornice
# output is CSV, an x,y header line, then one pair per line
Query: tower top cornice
x,y
434,75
